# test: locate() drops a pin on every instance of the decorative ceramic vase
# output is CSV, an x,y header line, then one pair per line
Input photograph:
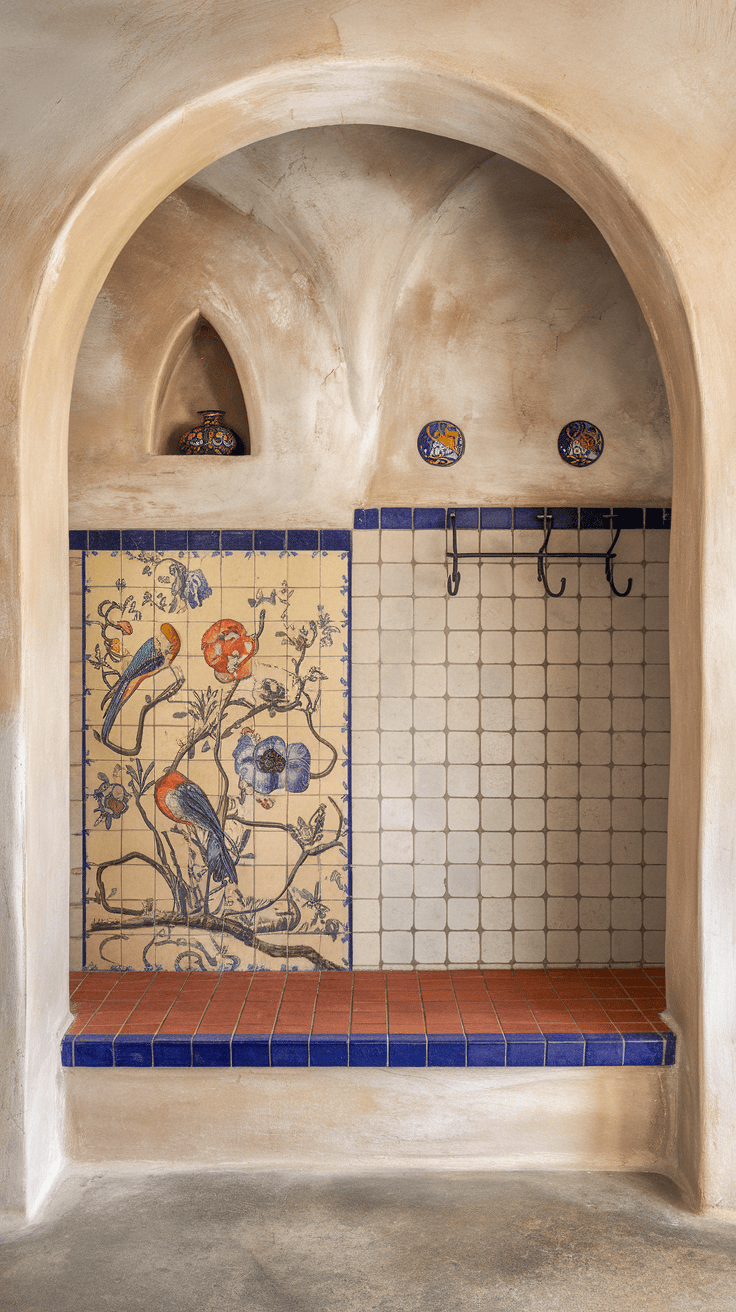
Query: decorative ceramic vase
x,y
210,438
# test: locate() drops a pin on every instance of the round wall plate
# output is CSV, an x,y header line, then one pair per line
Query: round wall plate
x,y
580,443
441,443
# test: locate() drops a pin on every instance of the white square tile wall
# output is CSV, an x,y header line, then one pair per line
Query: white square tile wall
x,y
510,751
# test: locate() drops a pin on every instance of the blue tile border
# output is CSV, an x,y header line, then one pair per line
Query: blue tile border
x,y
335,539
496,517
172,539
628,517
595,517
270,539
306,539
366,519
104,539
77,539
563,516
528,516
238,539
369,1050
396,517
429,518
465,516
138,539
204,539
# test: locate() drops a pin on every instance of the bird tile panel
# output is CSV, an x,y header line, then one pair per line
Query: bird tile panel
x,y
215,774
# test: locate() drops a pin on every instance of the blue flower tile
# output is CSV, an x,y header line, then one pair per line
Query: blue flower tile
x,y
603,1049
446,1050
172,1050
524,1050
269,539
335,539
67,1050
211,1050
77,539
595,517
429,518
670,1045
465,516
365,519
138,539
486,1050
303,539
328,1050
250,1050
396,517
368,1050
104,539
496,517
171,539
407,1050
643,1050
565,1050
289,1049
628,517
93,1050
240,539
204,539
134,1050
563,516
526,516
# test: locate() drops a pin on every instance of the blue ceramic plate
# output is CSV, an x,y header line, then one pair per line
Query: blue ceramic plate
x,y
580,443
441,443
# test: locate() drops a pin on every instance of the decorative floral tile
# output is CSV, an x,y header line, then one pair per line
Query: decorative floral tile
x,y
216,757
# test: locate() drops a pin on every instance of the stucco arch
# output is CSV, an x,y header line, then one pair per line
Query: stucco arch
x,y
133,182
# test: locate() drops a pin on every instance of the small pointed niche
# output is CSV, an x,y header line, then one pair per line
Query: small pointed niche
x,y
202,377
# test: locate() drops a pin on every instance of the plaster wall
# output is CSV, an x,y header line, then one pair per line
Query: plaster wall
x,y
106,114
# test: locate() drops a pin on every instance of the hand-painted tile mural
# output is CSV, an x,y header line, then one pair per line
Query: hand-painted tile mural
x,y
216,756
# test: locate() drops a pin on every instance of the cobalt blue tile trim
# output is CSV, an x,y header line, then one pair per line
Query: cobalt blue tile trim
x,y
396,517
496,517
303,539
365,519
563,516
446,1050
93,1050
204,539
134,1050
368,1050
407,1050
211,1050
643,1050
239,539
657,517
84,770
328,1050
526,516
595,517
104,539
171,539
525,1050
138,539
269,539
628,517
335,539
465,516
670,1044
565,1050
604,1050
67,1050
429,518
486,1050
77,539
250,1050
289,1049
172,1050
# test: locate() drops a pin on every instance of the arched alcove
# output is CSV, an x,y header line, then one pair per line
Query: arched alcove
x,y
199,375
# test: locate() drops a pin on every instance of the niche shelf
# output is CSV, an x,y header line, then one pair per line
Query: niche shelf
x,y
201,376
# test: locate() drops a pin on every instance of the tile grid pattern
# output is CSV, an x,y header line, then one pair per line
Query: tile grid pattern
x,y
509,749
369,1018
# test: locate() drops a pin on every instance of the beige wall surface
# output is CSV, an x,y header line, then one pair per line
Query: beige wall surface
x,y
366,280
106,111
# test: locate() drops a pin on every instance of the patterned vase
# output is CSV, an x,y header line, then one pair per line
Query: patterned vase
x,y
210,438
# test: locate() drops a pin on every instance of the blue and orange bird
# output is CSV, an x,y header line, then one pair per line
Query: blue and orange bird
x,y
155,654
183,801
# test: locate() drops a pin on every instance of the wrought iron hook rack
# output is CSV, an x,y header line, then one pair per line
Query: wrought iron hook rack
x,y
542,556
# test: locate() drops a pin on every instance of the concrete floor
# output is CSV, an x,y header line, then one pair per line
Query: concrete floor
x,y
389,1243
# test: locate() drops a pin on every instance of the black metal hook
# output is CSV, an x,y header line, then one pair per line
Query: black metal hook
x,y
609,566
541,566
453,581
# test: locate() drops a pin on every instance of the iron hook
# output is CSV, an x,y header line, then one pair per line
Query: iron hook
x,y
541,567
453,581
609,567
